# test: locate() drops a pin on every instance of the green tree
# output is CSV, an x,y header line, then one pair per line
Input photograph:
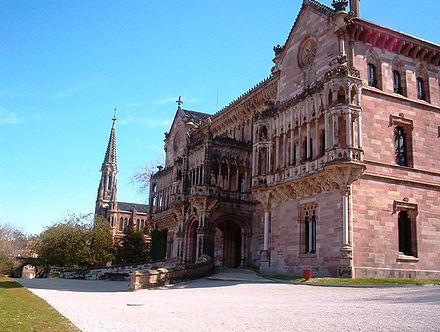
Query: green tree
x,y
132,247
65,243
102,250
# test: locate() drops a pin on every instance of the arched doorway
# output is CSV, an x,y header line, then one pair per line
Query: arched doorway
x,y
229,246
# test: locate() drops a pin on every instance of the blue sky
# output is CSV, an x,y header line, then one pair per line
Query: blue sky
x,y
66,64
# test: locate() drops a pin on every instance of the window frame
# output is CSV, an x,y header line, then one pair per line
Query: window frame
x,y
411,211
372,75
407,125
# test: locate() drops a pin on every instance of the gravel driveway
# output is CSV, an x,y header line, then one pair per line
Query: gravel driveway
x,y
252,305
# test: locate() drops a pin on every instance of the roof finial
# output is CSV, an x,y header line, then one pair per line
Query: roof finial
x,y
179,101
114,117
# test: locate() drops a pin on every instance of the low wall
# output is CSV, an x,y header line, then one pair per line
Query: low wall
x,y
116,272
165,276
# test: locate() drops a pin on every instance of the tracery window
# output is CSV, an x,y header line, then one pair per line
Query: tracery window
x,y
308,221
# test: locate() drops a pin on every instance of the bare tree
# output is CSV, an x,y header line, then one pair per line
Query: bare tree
x,y
141,177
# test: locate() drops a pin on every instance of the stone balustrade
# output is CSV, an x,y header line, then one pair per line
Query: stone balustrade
x,y
164,276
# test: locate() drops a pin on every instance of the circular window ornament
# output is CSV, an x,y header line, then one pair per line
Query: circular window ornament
x,y
307,53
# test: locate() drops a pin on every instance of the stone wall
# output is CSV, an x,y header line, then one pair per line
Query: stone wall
x,y
165,276
116,272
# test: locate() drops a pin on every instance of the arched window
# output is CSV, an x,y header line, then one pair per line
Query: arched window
x,y
397,82
372,75
353,96
341,95
421,93
330,98
121,224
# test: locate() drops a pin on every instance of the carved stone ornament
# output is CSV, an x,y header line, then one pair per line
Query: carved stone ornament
x,y
307,52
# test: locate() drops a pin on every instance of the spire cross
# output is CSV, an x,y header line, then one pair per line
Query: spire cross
x,y
114,117
179,101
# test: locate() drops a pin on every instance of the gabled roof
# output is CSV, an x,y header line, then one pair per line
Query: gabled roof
x,y
318,7
125,206
110,154
198,116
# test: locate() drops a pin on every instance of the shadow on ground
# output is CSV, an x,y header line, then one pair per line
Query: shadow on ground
x,y
222,278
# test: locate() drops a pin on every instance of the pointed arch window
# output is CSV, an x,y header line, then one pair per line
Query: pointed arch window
x,y
372,75
421,92
397,82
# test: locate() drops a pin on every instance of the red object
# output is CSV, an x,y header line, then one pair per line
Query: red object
x,y
307,273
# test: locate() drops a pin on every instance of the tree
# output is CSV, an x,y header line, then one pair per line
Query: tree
x,y
77,241
132,247
141,178
101,242
65,243
12,241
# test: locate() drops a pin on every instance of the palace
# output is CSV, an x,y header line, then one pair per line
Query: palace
x,y
329,163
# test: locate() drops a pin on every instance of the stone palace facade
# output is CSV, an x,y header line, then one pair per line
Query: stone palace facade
x,y
332,162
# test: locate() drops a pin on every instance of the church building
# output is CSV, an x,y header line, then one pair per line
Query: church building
x,y
329,163
119,214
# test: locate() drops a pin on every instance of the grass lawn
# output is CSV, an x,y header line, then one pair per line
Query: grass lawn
x,y
20,310
347,281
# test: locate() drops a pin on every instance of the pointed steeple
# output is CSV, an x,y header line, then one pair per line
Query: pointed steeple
x,y
106,200
110,154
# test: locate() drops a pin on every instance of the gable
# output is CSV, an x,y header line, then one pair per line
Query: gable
x,y
305,58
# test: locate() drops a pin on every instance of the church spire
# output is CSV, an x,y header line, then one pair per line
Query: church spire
x,y
110,154
107,191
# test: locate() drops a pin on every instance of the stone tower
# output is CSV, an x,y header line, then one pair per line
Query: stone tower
x,y
106,201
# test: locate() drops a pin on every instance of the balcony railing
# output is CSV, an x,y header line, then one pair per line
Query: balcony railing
x,y
308,167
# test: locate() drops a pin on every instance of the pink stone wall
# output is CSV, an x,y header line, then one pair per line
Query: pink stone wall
x,y
376,229
287,255
309,23
409,69
378,136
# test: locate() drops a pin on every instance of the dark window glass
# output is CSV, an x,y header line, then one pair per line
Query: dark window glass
x,y
400,146
305,150
322,143
397,82
372,78
306,234
294,154
311,148
313,235
421,89
405,233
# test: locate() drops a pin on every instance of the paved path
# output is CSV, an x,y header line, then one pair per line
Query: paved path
x,y
246,305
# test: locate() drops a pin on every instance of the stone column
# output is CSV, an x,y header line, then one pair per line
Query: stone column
x,y
292,142
229,177
326,130
348,128
277,152
359,130
300,145
265,253
335,129
270,156
308,140
346,260
254,161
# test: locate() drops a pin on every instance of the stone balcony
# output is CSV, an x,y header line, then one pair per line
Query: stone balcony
x,y
293,172
219,192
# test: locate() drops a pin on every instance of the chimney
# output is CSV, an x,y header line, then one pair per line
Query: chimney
x,y
355,7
